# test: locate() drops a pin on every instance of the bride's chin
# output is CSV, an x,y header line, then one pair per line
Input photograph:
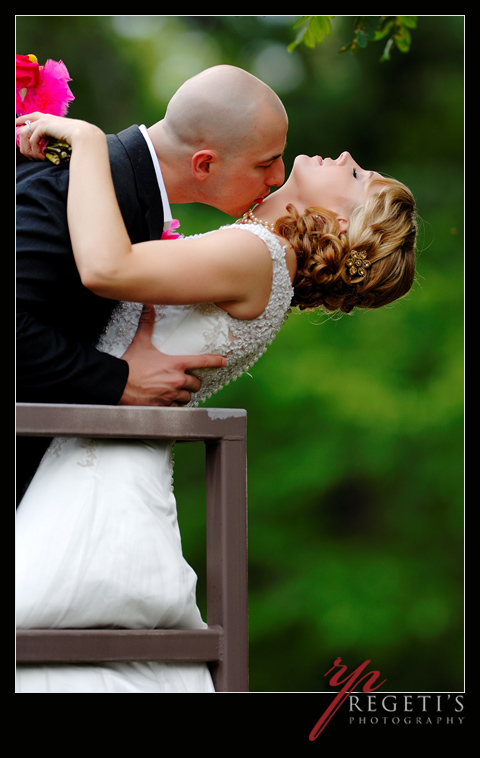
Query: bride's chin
x,y
305,162
301,158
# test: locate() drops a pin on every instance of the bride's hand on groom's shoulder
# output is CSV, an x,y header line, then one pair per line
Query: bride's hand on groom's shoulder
x,y
34,130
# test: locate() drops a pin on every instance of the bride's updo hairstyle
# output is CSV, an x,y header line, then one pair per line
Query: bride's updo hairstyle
x,y
380,241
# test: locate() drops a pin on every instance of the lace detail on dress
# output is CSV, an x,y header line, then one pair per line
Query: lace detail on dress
x,y
122,326
247,340
89,448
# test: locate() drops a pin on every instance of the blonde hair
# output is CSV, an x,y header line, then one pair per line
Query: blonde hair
x,y
383,227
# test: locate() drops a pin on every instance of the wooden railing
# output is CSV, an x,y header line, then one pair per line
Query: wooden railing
x,y
224,644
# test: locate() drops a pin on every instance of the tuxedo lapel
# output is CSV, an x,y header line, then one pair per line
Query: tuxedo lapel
x,y
135,181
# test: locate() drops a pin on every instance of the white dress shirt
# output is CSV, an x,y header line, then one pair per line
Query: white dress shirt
x,y
167,213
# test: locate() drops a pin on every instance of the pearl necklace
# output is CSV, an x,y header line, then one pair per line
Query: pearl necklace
x,y
249,218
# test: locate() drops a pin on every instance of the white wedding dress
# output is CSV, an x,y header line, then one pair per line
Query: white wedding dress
x,y
98,543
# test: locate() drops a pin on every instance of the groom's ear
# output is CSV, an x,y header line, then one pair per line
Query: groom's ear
x,y
202,164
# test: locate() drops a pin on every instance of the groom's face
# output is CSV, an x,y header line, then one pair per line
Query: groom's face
x,y
246,178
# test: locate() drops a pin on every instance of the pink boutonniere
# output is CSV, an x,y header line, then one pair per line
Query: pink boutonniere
x,y
169,234
45,89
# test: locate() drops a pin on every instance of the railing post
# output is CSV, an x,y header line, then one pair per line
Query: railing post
x,y
227,601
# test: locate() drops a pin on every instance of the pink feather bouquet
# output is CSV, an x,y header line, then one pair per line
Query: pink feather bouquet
x,y
45,89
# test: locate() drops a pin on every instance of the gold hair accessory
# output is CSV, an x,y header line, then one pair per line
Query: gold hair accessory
x,y
357,264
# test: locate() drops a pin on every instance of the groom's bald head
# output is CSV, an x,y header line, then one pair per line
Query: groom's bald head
x,y
221,140
220,107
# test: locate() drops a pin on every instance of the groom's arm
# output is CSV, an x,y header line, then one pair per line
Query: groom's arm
x,y
53,368
144,377
58,322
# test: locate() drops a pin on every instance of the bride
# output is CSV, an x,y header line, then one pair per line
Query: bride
x,y
98,543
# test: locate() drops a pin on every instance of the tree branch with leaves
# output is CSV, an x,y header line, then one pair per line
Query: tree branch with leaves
x,y
395,30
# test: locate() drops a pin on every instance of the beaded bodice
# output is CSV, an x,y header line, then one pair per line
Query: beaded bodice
x,y
206,328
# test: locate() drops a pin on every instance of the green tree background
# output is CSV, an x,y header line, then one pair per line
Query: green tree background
x,y
355,425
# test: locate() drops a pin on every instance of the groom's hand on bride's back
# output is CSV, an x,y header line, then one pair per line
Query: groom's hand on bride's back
x,y
158,379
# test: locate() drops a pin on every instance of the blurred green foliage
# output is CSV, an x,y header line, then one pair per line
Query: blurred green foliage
x,y
394,29
355,424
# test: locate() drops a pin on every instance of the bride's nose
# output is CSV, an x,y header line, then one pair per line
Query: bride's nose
x,y
344,158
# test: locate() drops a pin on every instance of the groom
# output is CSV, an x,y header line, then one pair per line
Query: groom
x,y
220,143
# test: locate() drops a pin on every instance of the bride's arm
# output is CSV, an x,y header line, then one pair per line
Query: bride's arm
x,y
223,267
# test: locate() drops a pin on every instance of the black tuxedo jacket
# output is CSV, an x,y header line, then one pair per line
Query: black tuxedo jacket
x,y
58,320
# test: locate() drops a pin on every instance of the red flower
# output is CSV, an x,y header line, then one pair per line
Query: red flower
x,y
28,71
